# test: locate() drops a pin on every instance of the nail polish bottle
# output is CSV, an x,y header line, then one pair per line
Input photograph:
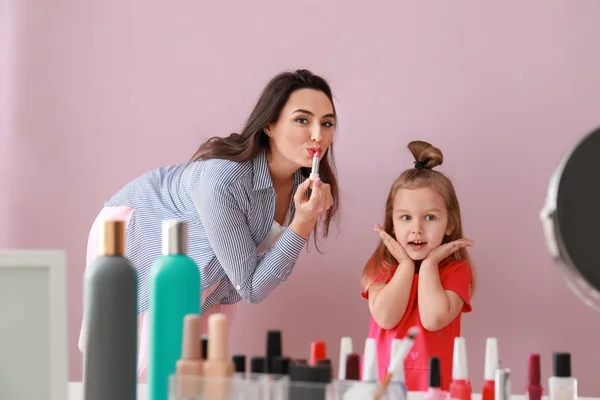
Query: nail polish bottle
x,y
273,349
281,365
534,389
258,365
352,367
345,349
318,351
561,385
239,365
434,391
491,363
460,387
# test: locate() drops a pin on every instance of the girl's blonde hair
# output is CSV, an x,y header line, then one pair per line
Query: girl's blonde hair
x,y
382,263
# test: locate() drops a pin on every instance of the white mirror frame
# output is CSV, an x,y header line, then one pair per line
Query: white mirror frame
x,y
55,261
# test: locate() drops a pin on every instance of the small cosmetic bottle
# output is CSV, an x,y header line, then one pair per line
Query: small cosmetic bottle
x,y
258,366
218,367
281,365
273,349
460,387
369,367
352,367
489,374
345,349
239,365
434,391
189,367
110,317
534,389
561,385
318,351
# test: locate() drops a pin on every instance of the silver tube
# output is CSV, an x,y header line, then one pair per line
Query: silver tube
x,y
174,237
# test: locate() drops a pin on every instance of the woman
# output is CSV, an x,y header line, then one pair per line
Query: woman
x,y
244,197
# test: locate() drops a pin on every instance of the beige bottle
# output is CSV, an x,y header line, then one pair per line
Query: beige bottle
x,y
218,367
189,368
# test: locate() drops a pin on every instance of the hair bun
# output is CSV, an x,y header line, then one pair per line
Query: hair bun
x,y
426,155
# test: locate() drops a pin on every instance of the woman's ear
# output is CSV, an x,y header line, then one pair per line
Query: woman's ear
x,y
268,130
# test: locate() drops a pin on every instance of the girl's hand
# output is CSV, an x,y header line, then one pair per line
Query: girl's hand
x,y
438,254
392,245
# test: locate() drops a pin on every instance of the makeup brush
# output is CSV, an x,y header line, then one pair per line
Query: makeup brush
x,y
397,362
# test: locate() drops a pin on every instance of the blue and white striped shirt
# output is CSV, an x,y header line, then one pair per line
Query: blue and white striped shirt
x,y
230,208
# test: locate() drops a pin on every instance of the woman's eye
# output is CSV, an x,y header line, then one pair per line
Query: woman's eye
x,y
302,120
328,124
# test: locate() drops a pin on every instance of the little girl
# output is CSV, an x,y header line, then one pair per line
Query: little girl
x,y
420,274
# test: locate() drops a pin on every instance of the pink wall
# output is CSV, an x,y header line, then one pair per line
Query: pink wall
x,y
488,83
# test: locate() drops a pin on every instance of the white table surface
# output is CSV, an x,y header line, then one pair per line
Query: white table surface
x,y
76,393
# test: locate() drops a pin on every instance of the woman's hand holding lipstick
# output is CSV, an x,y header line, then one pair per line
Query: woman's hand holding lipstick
x,y
308,210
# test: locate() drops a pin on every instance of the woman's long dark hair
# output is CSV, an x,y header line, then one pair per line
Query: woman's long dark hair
x,y
246,145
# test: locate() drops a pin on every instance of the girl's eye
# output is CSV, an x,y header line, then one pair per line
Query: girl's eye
x,y
302,120
405,218
430,217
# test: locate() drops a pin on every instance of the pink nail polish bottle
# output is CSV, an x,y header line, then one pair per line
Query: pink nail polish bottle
x,y
435,392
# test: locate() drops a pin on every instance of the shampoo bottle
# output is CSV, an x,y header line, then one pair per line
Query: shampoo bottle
x,y
110,318
174,293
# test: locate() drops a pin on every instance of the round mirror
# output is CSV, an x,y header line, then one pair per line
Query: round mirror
x,y
571,218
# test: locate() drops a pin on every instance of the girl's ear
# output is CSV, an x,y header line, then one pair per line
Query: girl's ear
x,y
449,230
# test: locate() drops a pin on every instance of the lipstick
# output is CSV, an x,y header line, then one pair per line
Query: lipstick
x,y
491,363
534,388
314,173
460,387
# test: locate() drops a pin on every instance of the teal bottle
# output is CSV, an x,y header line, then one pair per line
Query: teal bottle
x,y
175,290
